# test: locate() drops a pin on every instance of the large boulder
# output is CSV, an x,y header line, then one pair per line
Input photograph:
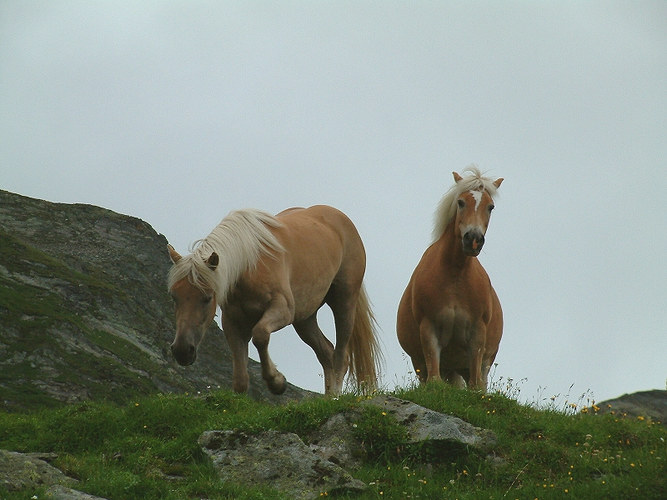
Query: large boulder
x,y
21,471
326,461
428,426
278,460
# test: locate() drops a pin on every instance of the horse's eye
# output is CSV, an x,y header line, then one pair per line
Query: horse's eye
x,y
207,300
461,204
491,207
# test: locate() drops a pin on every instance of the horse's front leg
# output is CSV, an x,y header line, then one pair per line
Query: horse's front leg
x,y
275,317
477,342
431,348
238,344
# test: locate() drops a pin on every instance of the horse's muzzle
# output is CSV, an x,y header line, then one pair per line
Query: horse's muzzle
x,y
473,241
184,354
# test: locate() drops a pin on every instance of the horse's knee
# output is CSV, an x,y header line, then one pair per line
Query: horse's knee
x,y
260,339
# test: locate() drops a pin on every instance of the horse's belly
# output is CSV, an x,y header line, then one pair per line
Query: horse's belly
x,y
308,299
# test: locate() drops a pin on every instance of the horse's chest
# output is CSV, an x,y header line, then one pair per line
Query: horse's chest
x,y
454,324
247,302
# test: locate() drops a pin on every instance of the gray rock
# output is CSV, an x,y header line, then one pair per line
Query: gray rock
x,y
59,492
335,442
20,471
278,460
284,462
424,425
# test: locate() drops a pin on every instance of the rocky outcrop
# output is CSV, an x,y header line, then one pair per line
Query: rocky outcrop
x,y
29,471
436,429
648,404
20,471
326,461
276,459
85,314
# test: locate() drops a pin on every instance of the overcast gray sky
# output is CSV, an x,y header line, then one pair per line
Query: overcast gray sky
x,y
179,112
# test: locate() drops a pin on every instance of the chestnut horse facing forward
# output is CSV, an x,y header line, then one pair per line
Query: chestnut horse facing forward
x,y
268,272
449,318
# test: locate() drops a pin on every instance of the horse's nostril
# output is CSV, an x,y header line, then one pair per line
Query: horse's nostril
x,y
471,236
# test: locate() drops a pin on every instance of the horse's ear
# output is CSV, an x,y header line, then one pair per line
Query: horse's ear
x,y
498,182
457,177
212,261
173,254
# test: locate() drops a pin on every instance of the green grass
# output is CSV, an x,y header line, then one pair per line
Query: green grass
x,y
148,448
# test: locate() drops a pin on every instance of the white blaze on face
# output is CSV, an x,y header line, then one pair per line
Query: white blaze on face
x,y
478,198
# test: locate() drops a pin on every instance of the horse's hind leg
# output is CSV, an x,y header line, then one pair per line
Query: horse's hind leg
x,y
310,333
277,316
344,308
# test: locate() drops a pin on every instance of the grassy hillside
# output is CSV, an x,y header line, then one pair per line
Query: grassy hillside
x,y
148,448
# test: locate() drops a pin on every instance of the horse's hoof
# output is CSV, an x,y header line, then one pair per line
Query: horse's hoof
x,y
277,385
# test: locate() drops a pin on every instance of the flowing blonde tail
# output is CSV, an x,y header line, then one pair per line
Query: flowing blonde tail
x,y
363,347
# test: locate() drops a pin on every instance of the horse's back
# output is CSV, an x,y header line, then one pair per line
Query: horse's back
x,y
322,248
322,228
324,215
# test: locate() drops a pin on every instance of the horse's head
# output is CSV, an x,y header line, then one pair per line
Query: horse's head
x,y
472,216
195,307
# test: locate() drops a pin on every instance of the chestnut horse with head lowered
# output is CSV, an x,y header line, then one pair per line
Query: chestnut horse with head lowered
x,y
268,272
449,318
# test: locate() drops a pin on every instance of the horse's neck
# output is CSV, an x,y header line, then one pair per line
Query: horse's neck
x,y
451,249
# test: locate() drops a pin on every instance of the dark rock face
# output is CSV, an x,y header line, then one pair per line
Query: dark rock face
x,y
85,314
651,404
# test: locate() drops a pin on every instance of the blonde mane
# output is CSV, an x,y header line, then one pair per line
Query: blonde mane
x,y
239,240
447,207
